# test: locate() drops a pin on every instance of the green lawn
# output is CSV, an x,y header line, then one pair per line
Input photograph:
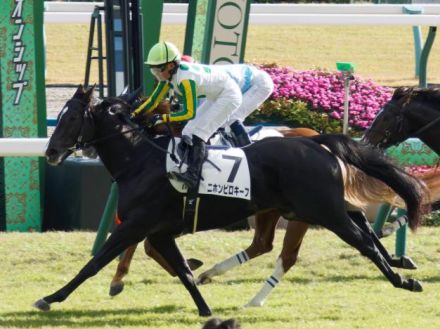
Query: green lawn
x,y
383,53
332,286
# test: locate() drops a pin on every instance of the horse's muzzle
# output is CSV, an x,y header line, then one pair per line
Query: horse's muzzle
x,y
54,157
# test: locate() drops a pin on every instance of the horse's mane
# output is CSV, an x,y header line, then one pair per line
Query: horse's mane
x,y
430,95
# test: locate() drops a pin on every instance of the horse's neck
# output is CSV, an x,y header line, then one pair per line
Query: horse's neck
x,y
432,139
420,117
121,152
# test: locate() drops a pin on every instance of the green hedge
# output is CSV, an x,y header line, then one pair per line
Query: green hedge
x,y
294,113
432,219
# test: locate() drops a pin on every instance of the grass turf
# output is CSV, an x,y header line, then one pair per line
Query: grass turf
x,y
383,53
332,286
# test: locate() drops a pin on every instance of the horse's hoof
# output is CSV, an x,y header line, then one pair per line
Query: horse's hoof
x,y
387,231
205,312
194,264
203,280
408,263
116,289
254,304
415,285
42,305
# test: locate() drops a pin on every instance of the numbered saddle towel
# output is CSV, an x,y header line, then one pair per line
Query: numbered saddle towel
x,y
225,173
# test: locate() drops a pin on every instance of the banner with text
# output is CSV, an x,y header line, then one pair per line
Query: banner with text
x,y
23,111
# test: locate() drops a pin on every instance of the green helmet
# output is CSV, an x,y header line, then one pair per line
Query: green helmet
x,y
162,53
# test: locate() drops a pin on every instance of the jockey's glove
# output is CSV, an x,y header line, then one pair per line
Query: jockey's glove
x,y
133,115
134,107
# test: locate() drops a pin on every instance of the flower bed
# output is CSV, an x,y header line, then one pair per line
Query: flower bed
x,y
315,99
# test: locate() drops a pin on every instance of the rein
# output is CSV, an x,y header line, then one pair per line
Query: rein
x,y
399,119
80,144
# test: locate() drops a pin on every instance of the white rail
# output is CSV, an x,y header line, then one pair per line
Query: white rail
x,y
23,147
275,14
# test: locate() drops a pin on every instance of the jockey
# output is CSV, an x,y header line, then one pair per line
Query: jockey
x,y
256,86
223,89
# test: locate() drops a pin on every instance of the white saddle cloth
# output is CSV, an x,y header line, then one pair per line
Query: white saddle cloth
x,y
227,175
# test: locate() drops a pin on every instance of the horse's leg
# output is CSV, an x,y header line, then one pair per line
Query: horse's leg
x,y
193,263
289,254
117,285
166,246
401,262
392,227
124,235
363,241
265,224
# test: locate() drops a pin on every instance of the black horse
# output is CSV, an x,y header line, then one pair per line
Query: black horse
x,y
412,112
296,176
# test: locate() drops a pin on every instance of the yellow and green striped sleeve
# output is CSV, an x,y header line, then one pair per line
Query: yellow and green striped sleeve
x,y
188,89
153,101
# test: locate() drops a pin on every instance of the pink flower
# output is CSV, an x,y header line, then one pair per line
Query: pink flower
x,y
324,91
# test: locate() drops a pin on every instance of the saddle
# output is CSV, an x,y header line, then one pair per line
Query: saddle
x,y
225,173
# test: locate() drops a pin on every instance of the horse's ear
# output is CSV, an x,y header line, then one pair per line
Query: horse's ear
x,y
79,91
401,92
124,92
134,95
89,93
129,98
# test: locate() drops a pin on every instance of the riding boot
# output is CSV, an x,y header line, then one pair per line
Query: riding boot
x,y
240,134
197,155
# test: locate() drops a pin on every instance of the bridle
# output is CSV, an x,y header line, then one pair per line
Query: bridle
x,y
398,127
85,138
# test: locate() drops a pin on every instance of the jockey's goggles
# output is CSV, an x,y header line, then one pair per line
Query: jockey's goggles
x,y
160,67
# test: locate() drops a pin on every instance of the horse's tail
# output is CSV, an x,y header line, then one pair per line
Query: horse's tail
x,y
374,164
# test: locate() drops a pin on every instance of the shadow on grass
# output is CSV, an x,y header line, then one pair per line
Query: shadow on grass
x,y
154,316
431,279
336,278
316,278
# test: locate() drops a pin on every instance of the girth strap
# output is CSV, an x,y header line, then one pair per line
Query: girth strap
x,y
191,204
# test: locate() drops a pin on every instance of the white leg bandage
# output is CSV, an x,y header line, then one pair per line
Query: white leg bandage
x,y
232,262
222,267
268,285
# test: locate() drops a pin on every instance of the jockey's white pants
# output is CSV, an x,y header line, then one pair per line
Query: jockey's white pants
x,y
261,89
214,113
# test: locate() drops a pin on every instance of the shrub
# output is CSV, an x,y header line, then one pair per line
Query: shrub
x,y
293,113
433,219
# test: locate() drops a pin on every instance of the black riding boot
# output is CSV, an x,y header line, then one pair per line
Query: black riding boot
x,y
240,134
197,154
